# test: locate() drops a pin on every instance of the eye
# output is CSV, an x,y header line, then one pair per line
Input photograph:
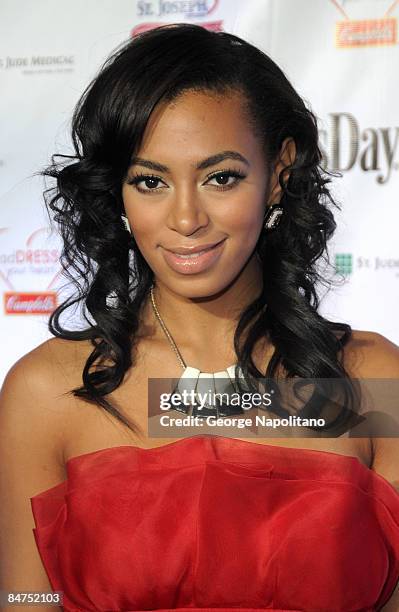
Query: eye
x,y
226,174
151,180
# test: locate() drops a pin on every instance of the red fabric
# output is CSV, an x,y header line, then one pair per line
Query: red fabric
x,y
215,523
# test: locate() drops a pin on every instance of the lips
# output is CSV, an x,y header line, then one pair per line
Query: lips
x,y
192,260
192,249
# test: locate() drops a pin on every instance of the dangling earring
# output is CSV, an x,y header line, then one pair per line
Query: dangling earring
x,y
126,222
273,216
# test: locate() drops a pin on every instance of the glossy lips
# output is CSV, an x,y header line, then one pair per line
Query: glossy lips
x,y
195,262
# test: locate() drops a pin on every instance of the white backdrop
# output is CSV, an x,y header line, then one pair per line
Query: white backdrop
x,y
342,57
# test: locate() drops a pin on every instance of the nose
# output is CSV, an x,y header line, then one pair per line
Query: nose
x,y
186,214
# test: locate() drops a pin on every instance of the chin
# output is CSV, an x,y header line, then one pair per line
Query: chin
x,y
196,286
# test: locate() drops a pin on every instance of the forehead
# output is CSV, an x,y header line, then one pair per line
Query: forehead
x,y
199,120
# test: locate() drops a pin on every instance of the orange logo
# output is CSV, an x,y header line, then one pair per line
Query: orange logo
x,y
366,33
371,32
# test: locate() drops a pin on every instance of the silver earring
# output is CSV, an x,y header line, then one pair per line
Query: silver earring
x,y
273,216
126,222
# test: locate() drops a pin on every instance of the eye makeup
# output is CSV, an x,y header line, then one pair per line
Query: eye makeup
x,y
229,172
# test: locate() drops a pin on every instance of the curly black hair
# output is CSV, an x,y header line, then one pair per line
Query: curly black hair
x,y
101,258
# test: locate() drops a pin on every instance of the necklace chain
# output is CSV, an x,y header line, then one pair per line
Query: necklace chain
x,y
166,331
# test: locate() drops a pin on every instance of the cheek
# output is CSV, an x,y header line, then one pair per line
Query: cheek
x,y
245,225
144,236
144,222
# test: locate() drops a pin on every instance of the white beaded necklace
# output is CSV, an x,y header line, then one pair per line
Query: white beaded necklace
x,y
194,380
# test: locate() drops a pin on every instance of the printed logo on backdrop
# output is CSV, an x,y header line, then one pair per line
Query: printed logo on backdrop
x,y
38,64
184,10
347,264
371,30
32,260
347,145
343,263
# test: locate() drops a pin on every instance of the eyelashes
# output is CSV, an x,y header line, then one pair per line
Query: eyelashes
x,y
138,178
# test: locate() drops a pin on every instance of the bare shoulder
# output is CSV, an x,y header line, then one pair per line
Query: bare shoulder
x,y
369,354
35,395
372,355
33,415
48,370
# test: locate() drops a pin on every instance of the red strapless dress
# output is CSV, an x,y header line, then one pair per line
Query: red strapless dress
x,y
214,523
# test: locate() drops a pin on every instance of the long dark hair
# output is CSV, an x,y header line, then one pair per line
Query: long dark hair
x,y
101,258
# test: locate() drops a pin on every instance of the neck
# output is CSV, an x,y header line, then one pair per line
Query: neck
x,y
196,324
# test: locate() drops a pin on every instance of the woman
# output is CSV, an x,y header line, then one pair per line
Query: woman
x,y
193,215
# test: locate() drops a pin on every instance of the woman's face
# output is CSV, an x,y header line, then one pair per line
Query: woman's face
x,y
204,183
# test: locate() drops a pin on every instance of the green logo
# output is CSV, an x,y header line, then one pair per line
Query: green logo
x,y
343,263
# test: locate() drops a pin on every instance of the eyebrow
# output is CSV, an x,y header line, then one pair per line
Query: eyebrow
x,y
205,163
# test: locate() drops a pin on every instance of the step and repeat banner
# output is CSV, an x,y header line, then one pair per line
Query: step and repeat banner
x,y
342,56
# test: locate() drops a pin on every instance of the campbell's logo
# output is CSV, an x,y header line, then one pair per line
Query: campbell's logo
x,y
346,146
371,31
34,303
168,8
366,33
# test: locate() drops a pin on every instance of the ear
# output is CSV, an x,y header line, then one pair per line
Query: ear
x,y
286,157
